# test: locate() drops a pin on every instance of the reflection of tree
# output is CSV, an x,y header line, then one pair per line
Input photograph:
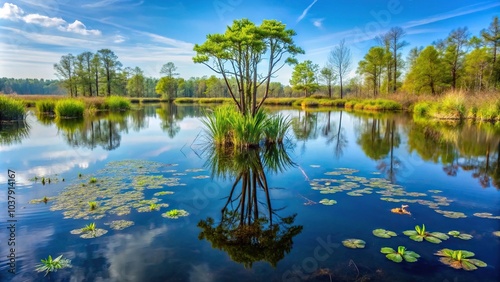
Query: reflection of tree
x,y
13,132
459,146
304,126
169,119
104,131
336,136
247,231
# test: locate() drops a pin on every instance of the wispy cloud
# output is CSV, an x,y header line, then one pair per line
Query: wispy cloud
x,y
12,12
106,3
318,22
304,13
452,14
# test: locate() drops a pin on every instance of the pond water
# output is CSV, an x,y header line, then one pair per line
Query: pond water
x,y
278,214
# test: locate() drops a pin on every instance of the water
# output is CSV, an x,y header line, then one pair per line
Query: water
x,y
354,159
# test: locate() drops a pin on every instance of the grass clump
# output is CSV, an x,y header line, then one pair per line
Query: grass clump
x,y
46,106
11,109
53,265
69,108
117,103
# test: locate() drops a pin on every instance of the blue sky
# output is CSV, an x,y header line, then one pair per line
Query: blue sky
x,y
148,33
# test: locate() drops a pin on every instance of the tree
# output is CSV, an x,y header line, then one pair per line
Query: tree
x,y
86,69
110,65
372,65
328,76
454,53
428,71
340,59
65,70
304,77
394,37
135,85
169,69
238,53
492,38
95,69
476,65
166,86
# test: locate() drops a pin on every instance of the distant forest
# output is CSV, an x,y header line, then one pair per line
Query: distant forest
x,y
30,86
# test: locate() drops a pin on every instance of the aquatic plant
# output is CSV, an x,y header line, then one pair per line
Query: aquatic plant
x,y
276,128
459,259
120,224
11,109
175,213
46,106
354,243
117,103
80,175
69,108
154,207
93,180
486,215
401,210
419,234
459,235
496,233
53,265
382,233
450,214
89,228
93,205
400,254
44,200
327,202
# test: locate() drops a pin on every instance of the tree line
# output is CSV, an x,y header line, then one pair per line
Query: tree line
x,y
30,86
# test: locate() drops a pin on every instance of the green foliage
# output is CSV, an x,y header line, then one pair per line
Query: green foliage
x,y
428,73
154,207
382,233
69,108
276,128
419,234
459,235
11,109
46,106
400,254
459,259
175,214
93,180
304,77
53,265
89,228
117,103
93,205
354,243
372,65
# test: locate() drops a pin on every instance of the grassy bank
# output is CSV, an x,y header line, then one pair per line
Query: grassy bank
x,y
69,108
11,109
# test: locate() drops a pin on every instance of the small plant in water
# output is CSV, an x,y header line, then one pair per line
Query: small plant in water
x,y
382,233
419,234
89,228
400,254
80,175
175,213
459,235
52,265
354,243
45,199
154,207
459,259
93,180
93,205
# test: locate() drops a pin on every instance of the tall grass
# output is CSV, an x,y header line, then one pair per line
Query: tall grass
x,y
117,103
11,109
69,108
46,106
276,128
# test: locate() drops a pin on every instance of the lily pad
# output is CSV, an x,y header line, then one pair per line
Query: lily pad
x,y
382,233
459,235
163,193
486,215
451,214
120,224
400,254
419,234
459,259
327,202
98,232
354,243
175,214
434,191
496,233
354,194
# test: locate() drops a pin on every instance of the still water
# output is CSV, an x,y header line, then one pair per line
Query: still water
x,y
277,214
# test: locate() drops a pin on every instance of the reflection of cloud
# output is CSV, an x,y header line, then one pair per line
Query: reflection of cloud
x,y
157,152
201,273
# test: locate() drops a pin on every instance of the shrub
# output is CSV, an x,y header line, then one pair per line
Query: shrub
x,y
117,103
46,106
69,108
421,109
184,100
11,109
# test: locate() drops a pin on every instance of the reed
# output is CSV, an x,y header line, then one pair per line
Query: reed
x,y
69,108
117,103
11,109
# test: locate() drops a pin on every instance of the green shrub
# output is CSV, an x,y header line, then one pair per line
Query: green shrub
x,y
46,106
69,108
11,109
318,96
184,100
117,103
421,109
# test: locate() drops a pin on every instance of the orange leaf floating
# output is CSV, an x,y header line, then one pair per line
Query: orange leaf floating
x,y
401,210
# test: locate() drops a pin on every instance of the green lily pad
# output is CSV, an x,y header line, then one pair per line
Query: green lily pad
x,y
163,193
327,202
382,233
354,194
459,235
486,215
354,243
175,214
496,233
395,257
451,214
399,255
120,224
459,259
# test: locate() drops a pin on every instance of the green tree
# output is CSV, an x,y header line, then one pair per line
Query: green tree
x,y
476,68
328,76
238,53
110,66
169,69
455,52
85,60
166,87
65,70
340,60
95,70
372,65
136,84
491,37
394,37
428,71
304,77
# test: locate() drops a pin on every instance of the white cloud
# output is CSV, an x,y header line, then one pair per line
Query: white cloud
x,y
79,28
118,39
11,12
43,20
318,23
14,13
304,13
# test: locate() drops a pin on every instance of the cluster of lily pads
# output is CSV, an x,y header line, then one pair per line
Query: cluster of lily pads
x,y
458,259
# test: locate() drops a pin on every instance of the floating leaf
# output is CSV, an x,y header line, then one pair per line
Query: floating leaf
x,y
486,215
327,202
382,233
459,235
175,214
434,191
395,257
354,243
451,214
354,194
201,177
120,224
459,259
163,193
496,233
400,254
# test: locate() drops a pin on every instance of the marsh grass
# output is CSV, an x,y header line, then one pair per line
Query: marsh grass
x,y
117,103
69,108
11,109
46,106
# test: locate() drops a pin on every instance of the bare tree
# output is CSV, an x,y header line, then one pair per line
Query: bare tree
x,y
340,59
393,40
